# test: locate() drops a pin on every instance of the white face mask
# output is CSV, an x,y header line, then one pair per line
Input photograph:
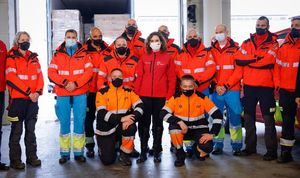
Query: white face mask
x,y
155,46
220,36
70,42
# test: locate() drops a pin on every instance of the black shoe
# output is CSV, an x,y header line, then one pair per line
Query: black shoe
x,y
270,156
90,154
142,158
125,159
80,159
63,159
134,154
247,153
180,157
151,152
35,162
217,151
17,165
3,167
178,163
285,157
157,158
237,153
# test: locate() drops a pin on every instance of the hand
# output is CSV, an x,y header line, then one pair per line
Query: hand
x,y
127,118
70,86
220,90
183,127
34,97
205,138
297,100
126,124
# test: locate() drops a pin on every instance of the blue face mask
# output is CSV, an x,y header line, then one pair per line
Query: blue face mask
x,y
70,42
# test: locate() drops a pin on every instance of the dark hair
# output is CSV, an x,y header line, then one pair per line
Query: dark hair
x,y
116,69
264,18
187,77
162,40
71,31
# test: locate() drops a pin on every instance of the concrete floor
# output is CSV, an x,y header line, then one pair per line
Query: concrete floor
x,y
217,166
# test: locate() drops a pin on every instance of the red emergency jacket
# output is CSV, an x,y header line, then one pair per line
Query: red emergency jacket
x,y
155,75
23,74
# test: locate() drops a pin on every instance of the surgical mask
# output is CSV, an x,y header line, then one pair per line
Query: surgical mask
x,y
261,31
121,50
98,42
188,93
117,82
295,33
131,30
24,46
155,46
70,42
193,42
220,36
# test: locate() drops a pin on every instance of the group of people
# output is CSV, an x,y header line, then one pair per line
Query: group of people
x,y
137,81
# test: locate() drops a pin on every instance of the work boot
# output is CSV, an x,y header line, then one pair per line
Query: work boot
x,y
3,167
80,159
17,165
217,151
142,158
35,162
269,156
180,157
285,157
90,153
63,159
124,159
245,152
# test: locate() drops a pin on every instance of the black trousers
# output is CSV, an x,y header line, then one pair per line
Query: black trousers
x,y
89,121
152,108
107,144
2,106
26,111
289,111
265,97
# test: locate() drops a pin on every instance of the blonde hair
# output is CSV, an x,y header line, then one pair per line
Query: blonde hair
x,y
17,37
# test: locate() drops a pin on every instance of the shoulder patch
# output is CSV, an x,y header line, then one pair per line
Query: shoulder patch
x,y
176,46
104,90
107,58
33,55
136,59
201,95
141,39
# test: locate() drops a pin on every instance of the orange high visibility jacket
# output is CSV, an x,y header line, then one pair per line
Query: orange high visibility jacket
x,y
136,45
23,74
191,110
97,59
112,104
258,61
64,68
228,73
3,54
113,61
201,65
172,49
287,62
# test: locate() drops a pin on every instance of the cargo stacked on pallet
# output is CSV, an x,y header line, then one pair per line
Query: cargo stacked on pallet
x,y
63,20
112,25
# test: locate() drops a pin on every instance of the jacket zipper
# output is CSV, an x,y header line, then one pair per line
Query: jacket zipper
x,y
117,100
153,73
188,109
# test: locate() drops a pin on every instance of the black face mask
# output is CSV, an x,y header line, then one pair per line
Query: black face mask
x,y
193,42
121,50
165,35
261,31
98,42
188,93
24,46
131,30
295,33
117,82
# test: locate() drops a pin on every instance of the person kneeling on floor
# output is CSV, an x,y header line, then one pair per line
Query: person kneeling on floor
x,y
185,112
118,109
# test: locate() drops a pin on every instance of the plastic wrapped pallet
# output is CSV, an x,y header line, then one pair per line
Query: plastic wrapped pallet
x,y
112,25
63,20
